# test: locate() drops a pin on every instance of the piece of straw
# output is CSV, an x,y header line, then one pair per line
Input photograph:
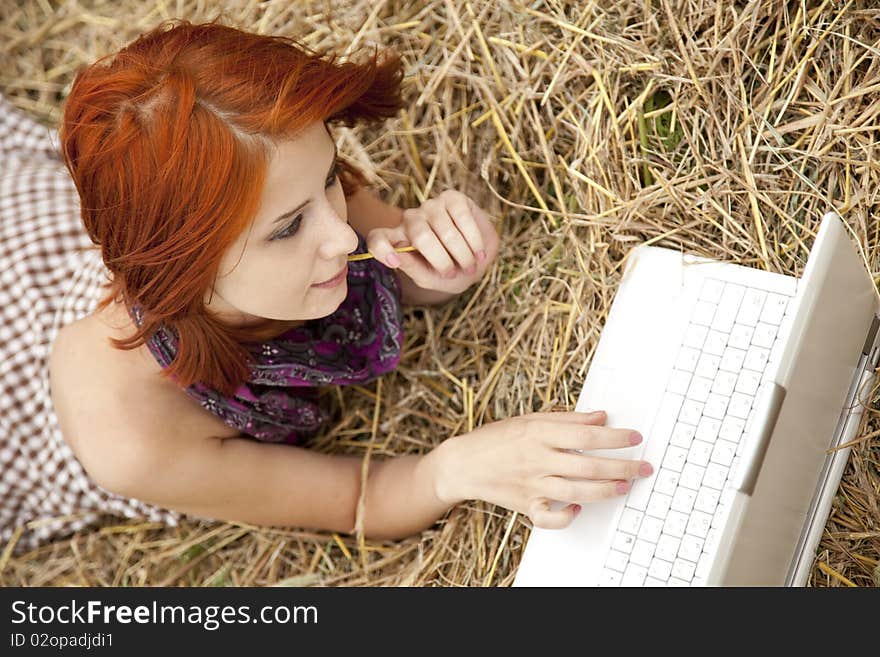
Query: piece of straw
x,y
365,256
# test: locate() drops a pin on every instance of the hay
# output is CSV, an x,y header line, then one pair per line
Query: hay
x,y
722,128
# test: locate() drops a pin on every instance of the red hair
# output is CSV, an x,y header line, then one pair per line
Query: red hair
x,y
168,142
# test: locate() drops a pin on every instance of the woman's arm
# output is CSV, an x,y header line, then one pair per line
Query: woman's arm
x,y
367,211
239,479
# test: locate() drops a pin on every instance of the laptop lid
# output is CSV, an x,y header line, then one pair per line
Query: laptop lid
x,y
836,303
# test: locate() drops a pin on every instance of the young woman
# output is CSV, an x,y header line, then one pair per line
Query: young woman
x,y
221,217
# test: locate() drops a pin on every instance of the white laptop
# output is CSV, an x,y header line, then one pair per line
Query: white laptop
x,y
742,382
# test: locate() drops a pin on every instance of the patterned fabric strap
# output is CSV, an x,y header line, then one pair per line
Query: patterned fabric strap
x,y
357,343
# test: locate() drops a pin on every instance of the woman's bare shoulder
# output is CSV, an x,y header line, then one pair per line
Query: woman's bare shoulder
x,y
97,387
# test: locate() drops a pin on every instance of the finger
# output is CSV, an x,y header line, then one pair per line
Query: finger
x,y
464,212
573,417
447,231
576,491
543,516
488,232
590,436
431,248
381,245
584,466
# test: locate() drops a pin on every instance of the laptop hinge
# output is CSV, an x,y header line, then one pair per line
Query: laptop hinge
x,y
872,333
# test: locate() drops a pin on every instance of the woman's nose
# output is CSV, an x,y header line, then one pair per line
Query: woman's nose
x,y
340,237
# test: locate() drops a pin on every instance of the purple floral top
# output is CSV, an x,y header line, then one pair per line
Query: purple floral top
x,y
357,343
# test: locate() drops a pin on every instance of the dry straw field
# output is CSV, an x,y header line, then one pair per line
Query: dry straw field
x,y
724,128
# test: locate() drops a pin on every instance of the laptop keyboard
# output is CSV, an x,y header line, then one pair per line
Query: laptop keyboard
x,y
667,534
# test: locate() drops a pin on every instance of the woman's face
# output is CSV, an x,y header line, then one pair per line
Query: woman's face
x,y
299,237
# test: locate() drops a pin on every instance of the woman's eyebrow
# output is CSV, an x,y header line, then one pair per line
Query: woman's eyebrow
x,y
308,200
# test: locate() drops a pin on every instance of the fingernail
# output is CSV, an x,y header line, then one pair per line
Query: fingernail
x,y
450,273
623,486
393,260
481,255
576,508
645,469
635,438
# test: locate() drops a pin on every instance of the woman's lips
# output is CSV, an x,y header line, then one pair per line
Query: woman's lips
x,y
336,280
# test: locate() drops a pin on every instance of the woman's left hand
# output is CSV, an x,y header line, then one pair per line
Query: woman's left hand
x,y
448,232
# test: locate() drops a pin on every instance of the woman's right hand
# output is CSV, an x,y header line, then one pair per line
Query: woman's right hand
x,y
522,464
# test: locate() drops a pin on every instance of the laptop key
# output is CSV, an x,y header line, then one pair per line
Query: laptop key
x,y
691,476
707,366
691,547
691,411
676,523
683,500
679,381
695,336
634,575
699,524
623,542
712,539
724,383
651,529
713,412
740,405
704,565
660,568
630,520
748,382
724,452
707,499
700,453
675,458
715,343
666,481
763,335
734,465
720,516
716,476
667,547
687,359
616,560
650,581
610,578
731,428
741,336
658,505
750,309
732,359
699,388
774,308
756,358
683,569
728,307
642,553
682,435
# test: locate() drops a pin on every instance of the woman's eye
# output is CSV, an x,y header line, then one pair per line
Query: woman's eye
x,y
292,227
289,229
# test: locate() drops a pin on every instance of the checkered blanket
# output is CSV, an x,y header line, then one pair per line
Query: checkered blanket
x,y
50,275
